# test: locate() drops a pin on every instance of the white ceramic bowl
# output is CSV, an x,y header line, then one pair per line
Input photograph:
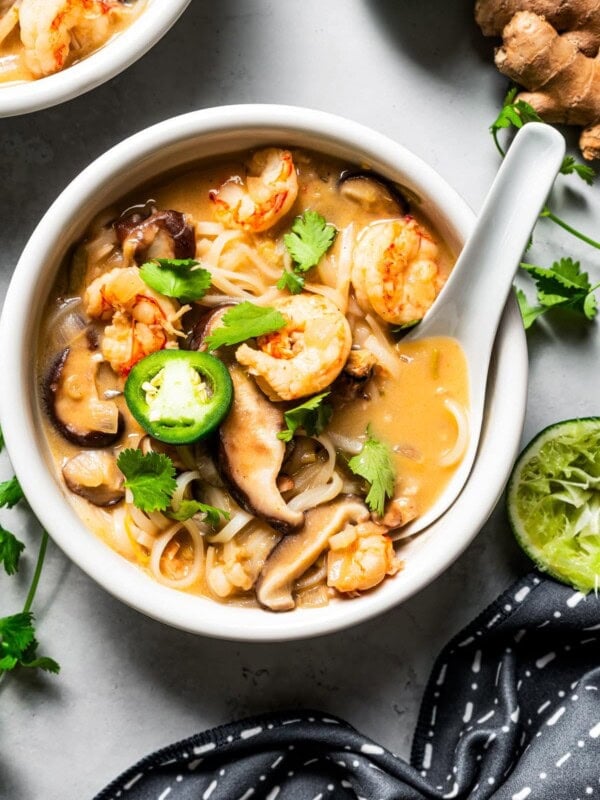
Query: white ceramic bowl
x,y
100,66
144,156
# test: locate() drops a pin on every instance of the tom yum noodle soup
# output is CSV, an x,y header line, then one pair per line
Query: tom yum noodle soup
x,y
228,401
41,37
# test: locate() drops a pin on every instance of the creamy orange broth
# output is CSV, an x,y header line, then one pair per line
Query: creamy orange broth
x,y
408,413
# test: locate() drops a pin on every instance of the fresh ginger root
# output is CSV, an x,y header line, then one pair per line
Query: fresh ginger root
x,y
561,72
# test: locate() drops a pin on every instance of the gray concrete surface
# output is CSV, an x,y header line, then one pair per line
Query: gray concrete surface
x,y
418,71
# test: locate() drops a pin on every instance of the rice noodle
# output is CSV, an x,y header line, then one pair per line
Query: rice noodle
x,y
183,481
222,282
141,521
214,252
456,452
238,521
317,473
222,277
317,495
329,292
268,270
194,572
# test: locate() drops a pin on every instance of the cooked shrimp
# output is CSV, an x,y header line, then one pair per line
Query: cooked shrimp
x,y
395,270
270,191
360,557
306,355
143,321
50,28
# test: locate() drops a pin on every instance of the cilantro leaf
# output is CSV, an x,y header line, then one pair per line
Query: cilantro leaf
x,y
374,463
150,477
563,284
184,279
16,634
18,645
291,281
571,166
10,493
1,440
528,312
245,321
187,509
514,113
313,416
310,239
10,551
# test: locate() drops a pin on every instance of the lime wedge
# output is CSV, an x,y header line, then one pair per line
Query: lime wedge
x,y
553,501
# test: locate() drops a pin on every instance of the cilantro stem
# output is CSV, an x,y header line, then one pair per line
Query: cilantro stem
x,y
499,147
573,231
36,575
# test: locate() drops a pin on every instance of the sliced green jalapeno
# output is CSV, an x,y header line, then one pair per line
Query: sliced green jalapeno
x,y
179,396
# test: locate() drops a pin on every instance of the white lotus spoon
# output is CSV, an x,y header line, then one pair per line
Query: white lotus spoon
x,y
470,306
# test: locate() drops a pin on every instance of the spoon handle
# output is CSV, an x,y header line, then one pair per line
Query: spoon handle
x,y
471,303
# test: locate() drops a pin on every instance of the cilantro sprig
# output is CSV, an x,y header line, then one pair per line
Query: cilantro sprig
x,y
18,643
313,416
151,479
563,285
183,279
375,464
245,321
310,238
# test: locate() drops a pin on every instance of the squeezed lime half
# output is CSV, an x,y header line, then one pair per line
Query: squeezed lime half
x,y
553,501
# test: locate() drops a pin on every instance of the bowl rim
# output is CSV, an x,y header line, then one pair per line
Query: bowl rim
x,y
100,66
125,580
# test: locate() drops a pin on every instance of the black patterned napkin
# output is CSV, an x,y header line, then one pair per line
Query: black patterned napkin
x,y
511,712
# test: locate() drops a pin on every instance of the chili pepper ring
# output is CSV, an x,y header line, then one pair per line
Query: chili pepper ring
x,y
179,396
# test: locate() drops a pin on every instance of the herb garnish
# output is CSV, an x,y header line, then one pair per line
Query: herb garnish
x,y
310,238
313,415
10,493
150,477
187,509
182,278
10,551
245,321
18,645
563,284
374,463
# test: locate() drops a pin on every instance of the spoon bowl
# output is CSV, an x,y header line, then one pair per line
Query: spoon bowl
x,y
487,266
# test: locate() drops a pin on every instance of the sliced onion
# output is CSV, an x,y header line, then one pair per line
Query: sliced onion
x,y
67,323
